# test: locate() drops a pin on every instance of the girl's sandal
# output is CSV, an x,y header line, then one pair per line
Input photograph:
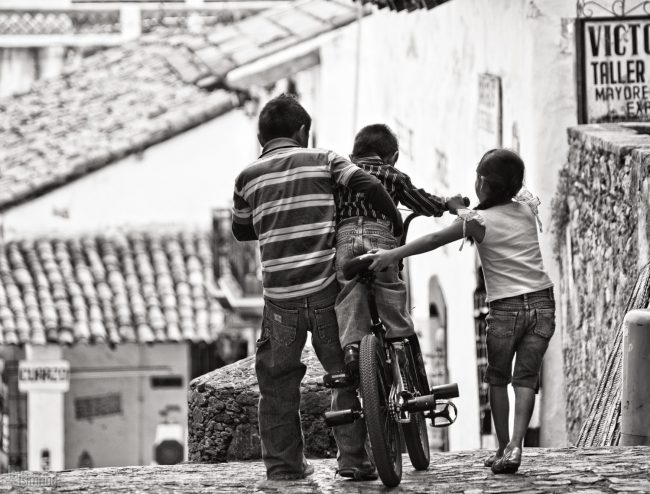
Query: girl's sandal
x,y
490,461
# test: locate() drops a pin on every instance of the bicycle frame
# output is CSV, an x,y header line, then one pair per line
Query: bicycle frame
x,y
395,398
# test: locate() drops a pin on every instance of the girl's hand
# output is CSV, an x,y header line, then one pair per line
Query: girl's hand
x,y
381,259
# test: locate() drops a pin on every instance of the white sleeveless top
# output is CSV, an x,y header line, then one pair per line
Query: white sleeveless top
x,y
510,255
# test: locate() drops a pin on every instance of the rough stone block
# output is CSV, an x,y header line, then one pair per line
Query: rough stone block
x,y
222,414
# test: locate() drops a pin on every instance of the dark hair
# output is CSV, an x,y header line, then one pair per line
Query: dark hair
x,y
282,117
375,139
503,170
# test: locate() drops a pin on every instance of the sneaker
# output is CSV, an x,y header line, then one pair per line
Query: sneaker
x,y
308,470
358,474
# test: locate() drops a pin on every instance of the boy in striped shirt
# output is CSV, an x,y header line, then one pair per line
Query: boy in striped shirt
x,y
285,200
361,228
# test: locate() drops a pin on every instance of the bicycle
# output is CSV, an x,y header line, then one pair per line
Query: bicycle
x,y
395,395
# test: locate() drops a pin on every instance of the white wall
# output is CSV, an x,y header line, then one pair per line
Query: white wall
x,y
175,182
419,73
21,67
126,438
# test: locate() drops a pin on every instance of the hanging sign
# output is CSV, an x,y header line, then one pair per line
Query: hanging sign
x,y
45,375
613,69
490,123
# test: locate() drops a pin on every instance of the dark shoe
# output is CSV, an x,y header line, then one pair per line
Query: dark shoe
x,y
308,470
351,358
358,474
490,461
509,462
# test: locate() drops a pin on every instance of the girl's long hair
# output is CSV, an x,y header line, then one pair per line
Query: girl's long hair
x,y
503,170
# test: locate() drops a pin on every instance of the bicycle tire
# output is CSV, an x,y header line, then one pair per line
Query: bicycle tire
x,y
415,433
383,430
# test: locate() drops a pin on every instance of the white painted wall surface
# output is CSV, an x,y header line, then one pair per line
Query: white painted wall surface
x,y
45,412
21,67
419,73
176,182
127,438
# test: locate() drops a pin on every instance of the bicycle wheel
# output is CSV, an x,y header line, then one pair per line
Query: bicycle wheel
x,y
416,436
383,430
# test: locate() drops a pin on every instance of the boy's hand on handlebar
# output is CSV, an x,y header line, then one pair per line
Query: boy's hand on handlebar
x,y
456,202
381,259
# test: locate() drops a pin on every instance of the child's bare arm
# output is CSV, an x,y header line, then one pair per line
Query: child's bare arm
x,y
384,258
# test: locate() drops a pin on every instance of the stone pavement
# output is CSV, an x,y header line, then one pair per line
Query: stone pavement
x,y
614,469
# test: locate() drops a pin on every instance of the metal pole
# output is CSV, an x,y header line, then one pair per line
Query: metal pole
x,y
635,397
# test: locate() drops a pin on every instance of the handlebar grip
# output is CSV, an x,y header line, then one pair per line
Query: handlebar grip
x,y
445,391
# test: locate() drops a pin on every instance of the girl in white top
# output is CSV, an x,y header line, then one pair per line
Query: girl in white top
x,y
521,317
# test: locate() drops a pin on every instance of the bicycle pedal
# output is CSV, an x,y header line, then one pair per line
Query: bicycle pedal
x,y
443,417
342,417
338,380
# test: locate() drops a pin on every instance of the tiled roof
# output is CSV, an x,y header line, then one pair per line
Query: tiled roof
x,y
134,287
125,99
408,5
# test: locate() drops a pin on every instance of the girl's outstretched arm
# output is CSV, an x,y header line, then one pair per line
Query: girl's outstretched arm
x,y
384,258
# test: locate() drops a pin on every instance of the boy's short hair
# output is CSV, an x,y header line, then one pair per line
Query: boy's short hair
x,y
376,139
282,117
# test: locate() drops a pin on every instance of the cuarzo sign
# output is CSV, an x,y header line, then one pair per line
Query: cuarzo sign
x,y
613,69
46,375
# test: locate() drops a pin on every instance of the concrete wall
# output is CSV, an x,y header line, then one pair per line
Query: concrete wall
x,y
126,438
419,73
176,182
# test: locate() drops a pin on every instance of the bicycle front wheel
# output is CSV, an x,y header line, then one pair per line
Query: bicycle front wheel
x,y
383,430
415,432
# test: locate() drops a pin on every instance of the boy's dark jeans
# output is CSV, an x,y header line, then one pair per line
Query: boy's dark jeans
x,y
280,371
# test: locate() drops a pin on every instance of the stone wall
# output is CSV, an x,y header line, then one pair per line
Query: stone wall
x,y
222,416
601,243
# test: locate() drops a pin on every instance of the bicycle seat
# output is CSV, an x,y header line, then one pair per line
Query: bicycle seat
x,y
356,266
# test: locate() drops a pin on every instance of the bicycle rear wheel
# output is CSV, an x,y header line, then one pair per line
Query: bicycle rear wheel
x,y
383,430
415,432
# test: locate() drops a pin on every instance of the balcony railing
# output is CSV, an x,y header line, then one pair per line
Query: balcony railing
x,y
41,22
82,25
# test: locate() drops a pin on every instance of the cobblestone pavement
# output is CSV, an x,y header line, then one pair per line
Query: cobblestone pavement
x,y
592,470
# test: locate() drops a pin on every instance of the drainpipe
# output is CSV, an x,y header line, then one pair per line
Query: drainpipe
x,y
635,397
357,70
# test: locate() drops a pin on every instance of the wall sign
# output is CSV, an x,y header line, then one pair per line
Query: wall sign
x,y
613,69
91,407
490,121
46,375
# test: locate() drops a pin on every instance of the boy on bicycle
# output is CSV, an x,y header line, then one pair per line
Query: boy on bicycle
x,y
285,199
361,228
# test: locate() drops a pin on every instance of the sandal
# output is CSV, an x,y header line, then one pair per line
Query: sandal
x,y
491,459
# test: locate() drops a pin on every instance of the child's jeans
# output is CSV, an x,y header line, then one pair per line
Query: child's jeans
x,y
280,371
520,326
354,237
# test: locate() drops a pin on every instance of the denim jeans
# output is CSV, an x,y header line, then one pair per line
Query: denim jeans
x,y
280,371
354,237
520,326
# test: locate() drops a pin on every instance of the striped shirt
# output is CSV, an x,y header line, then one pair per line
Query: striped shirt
x,y
399,186
286,195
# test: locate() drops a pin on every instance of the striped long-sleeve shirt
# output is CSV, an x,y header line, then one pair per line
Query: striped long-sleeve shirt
x,y
285,199
398,185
